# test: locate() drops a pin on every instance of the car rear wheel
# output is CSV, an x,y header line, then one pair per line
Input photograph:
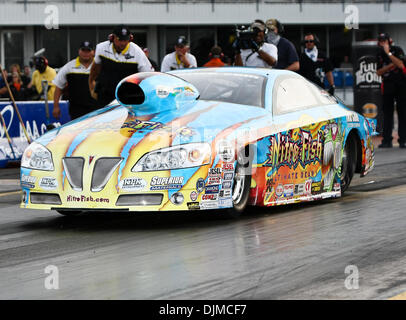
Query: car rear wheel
x,y
241,186
347,164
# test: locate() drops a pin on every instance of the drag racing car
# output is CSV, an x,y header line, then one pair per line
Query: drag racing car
x,y
198,139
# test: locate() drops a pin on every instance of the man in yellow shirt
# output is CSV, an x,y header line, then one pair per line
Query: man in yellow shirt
x,y
43,72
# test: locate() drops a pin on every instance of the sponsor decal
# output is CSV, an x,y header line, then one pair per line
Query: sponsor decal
x,y
213,180
209,205
215,172
228,167
86,199
337,187
193,195
228,202
299,189
227,185
166,183
212,189
140,125
307,188
28,181
200,185
225,151
132,184
162,92
279,190
224,193
284,151
316,187
228,176
48,183
193,206
288,190
210,197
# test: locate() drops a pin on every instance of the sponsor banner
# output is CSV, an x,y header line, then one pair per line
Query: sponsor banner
x,y
209,205
288,190
166,183
227,185
228,176
34,118
28,181
212,189
86,199
193,206
132,184
48,183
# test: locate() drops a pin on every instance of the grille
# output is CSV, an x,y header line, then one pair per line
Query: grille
x,y
103,169
45,198
140,199
74,171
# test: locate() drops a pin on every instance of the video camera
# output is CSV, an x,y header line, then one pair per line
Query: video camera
x,y
246,37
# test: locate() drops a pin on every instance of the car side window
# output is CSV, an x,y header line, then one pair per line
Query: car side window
x,y
294,93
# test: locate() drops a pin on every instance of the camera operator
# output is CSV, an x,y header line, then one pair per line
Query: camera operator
x,y
252,50
391,66
287,55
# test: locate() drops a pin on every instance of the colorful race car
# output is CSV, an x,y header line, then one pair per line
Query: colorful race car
x,y
200,139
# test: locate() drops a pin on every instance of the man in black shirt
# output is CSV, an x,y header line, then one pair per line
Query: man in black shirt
x,y
314,64
391,66
287,55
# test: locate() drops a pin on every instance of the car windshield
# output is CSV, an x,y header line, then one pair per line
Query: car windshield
x,y
240,88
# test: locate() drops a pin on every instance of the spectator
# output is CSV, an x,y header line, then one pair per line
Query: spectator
x,y
3,88
391,66
215,57
17,86
26,75
346,64
114,60
261,54
153,63
287,55
180,58
75,76
314,64
42,72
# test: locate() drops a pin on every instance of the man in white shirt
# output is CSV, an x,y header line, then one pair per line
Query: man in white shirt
x,y
180,58
261,54
75,76
114,60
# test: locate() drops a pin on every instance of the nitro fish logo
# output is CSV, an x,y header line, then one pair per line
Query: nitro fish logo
x,y
283,150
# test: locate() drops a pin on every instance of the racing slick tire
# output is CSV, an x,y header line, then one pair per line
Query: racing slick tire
x,y
242,183
348,164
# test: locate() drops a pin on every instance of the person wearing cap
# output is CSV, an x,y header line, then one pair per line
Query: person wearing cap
x,y
287,55
42,72
114,60
75,77
391,66
315,65
261,54
180,58
215,58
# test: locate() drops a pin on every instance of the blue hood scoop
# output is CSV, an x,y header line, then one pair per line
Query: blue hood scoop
x,y
154,92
